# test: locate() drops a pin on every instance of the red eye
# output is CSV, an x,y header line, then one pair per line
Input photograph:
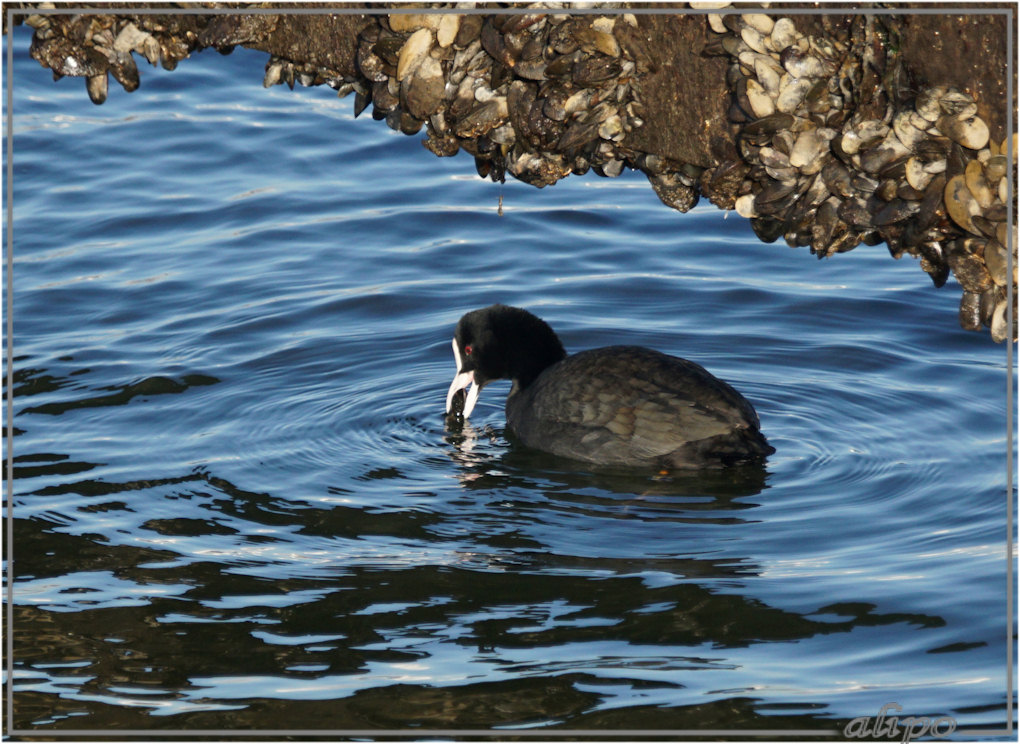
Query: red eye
x,y
467,349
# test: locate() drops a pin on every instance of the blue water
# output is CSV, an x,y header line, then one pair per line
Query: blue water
x,y
237,506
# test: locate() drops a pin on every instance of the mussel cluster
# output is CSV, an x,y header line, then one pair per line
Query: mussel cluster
x,y
536,95
836,154
539,95
837,146
97,46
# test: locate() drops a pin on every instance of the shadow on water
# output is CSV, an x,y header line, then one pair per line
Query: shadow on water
x,y
190,602
512,464
122,395
311,647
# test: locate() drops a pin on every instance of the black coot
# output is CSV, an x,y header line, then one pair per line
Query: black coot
x,y
619,405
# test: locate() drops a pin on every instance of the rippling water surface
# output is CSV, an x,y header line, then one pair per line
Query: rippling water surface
x,y
236,504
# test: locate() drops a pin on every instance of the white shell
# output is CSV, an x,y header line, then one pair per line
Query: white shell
x,y
791,93
753,39
403,23
760,100
806,152
851,142
767,75
759,22
745,206
716,24
916,175
919,122
805,66
415,49
784,34
611,128
577,101
150,48
999,322
971,133
129,39
273,74
905,131
449,25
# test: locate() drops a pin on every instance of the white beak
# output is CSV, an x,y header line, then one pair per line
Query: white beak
x,y
461,381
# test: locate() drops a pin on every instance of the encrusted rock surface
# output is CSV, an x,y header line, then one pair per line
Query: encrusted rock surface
x,y
843,147
825,130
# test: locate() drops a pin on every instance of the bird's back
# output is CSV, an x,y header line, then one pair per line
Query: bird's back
x,y
631,405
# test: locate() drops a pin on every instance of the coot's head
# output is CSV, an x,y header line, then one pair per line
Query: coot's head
x,y
500,343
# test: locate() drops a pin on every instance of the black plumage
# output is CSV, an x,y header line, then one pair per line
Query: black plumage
x,y
618,405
